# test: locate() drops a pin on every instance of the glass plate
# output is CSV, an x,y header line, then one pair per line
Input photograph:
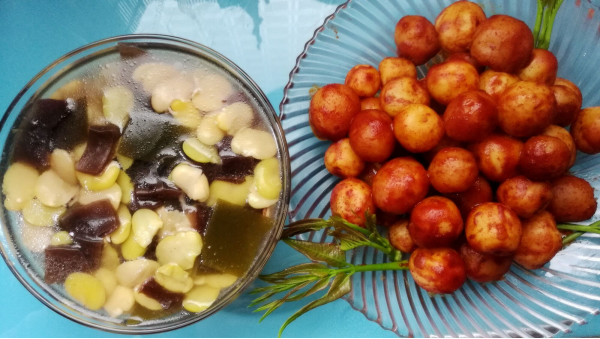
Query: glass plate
x,y
540,303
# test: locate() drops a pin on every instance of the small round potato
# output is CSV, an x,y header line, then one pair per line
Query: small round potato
x,y
331,111
495,83
456,25
471,116
498,156
447,80
350,199
371,135
364,80
445,142
468,58
526,108
341,161
544,157
524,196
565,136
435,222
399,185
568,104
542,67
391,68
370,103
493,228
540,242
400,238
418,128
453,170
437,270
416,39
368,173
570,85
401,92
484,267
477,194
573,199
502,43
586,130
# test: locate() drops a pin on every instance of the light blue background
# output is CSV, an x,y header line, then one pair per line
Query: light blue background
x,y
261,36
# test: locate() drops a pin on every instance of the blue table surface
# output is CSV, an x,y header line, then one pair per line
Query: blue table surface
x,y
263,37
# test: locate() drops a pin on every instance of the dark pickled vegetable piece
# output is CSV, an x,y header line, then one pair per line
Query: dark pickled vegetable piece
x,y
32,147
154,195
47,113
203,214
224,147
100,149
92,249
92,221
129,50
72,130
154,290
62,261
233,237
233,169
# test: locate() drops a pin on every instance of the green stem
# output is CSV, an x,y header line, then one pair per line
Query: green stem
x,y
538,22
571,237
549,23
391,266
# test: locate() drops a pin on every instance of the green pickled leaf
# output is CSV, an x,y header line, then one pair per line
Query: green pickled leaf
x,y
289,283
318,286
308,268
303,226
330,254
348,241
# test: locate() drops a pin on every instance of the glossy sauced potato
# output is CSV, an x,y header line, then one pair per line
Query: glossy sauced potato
x,y
573,199
523,196
370,103
399,185
502,43
468,58
371,135
418,128
540,242
544,157
456,25
399,236
564,136
542,67
568,104
391,68
437,270
416,39
526,108
471,116
435,222
477,194
586,130
350,199
331,111
493,228
401,92
495,83
498,156
447,80
452,170
445,142
341,161
364,80
484,267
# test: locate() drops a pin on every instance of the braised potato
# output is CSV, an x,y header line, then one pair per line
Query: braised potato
x,y
399,236
452,170
416,39
523,196
526,108
401,92
573,199
364,80
568,104
445,142
495,83
468,58
484,267
542,67
493,228
371,135
586,130
447,80
418,128
435,222
565,136
544,157
341,161
502,43
331,111
471,116
391,68
370,103
350,199
477,194
498,156
437,270
456,25
399,185
540,242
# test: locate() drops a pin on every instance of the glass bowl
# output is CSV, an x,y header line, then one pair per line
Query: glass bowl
x,y
23,263
539,303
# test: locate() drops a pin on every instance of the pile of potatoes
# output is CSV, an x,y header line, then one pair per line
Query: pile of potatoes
x,y
467,167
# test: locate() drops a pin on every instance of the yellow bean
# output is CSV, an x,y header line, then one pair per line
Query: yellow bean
x,y
232,193
173,222
185,113
144,225
51,190
113,193
200,152
62,163
102,181
121,301
152,73
131,250
191,180
132,273
61,238
173,278
73,89
267,178
179,87
77,152
125,161
146,301
211,91
254,143
110,258
36,239
38,214
117,103
182,248
208,132
122,232
86,289
223,280
126,185
19,185
200,298
235,117
108,279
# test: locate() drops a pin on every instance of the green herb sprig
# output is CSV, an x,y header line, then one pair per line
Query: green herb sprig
x,y
544,21
579,230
